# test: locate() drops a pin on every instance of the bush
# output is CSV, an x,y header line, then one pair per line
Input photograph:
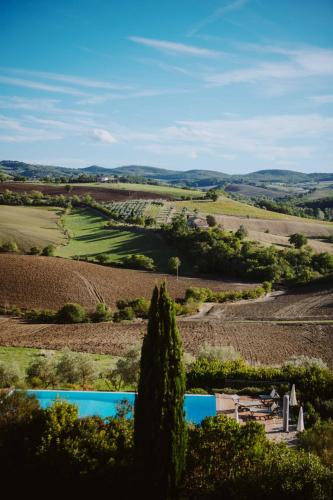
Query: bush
x,y
102,258
138,261
298,240
319,440
125,314
72,313
74,368
9,375
102,313
223,353
48,251
42,372
128,367
35,251
10,247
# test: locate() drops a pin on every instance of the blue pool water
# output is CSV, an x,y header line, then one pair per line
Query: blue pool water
x,y
103,404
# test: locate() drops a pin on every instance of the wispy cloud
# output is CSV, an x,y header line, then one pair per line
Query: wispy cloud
x,y
30,84
102,98
74,80
216,15
40,105
270,138
302,63
174,47
322,99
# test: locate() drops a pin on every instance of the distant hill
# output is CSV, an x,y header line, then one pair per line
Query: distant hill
x,y
193,178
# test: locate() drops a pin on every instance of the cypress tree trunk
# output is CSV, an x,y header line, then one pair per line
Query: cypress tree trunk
x,y
160,428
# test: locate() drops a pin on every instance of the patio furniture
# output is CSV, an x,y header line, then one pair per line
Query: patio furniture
x,y
263,414
269,397
247,405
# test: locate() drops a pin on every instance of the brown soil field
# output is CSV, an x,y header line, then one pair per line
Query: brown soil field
x,y
307,303
98,193
265,343
49,282
277,227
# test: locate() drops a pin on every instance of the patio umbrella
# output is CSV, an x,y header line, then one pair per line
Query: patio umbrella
x,y
293,400
300,423
236,414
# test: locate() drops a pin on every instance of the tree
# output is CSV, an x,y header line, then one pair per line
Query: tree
x,y
242,232
48,251
159,427
211,220
102,258
212,195
72,313
68,188
298,240
10,246
174,264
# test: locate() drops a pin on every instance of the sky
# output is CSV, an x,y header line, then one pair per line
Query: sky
x,y
227,85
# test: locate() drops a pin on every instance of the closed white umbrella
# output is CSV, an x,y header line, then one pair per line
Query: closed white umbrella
x,y
236,414
293,400
300,423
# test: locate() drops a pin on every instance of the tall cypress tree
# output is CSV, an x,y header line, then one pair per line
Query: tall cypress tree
x,y
160,428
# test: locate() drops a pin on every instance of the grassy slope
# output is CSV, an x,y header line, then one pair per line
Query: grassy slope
x,y
89,237
227,206
31,226
121,186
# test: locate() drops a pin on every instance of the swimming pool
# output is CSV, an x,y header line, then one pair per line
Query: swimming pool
x,y
103,404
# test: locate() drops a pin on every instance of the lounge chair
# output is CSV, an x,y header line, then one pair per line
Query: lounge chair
x,y
269,397
263,414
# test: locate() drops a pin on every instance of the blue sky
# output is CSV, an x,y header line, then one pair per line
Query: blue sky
x,y
229,85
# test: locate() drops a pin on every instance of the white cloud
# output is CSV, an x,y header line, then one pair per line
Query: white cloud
x,y
272,138
103,136
322,99
74,80
217,14
19,82
301,63
174,47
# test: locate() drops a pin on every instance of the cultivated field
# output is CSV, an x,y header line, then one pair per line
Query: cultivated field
x,y
89,237
98,192
50,282
266,343
103,191
277,232
31,226
169,191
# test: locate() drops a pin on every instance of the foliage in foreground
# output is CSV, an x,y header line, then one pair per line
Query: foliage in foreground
x,y
224,459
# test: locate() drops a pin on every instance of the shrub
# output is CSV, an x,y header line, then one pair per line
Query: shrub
x,y
319,440
211,220
9,246
9,375
128,367
125,314
35,251
298,240
220,353
138,261
41,372
102,313
242,232
72,313
48,251
102,258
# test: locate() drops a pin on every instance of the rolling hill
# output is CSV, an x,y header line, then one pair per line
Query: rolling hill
x,y
195,178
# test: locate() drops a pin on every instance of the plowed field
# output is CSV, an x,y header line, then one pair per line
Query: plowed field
x,y
266,343
98,193
50,282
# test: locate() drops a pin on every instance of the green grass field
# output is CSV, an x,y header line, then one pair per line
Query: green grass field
x,y
147,188
31,226
227,206
89,237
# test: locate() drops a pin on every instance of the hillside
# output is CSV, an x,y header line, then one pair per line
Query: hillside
x,y
50,282
193,177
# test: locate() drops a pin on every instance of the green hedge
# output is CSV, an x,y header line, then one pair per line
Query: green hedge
x,y
207,295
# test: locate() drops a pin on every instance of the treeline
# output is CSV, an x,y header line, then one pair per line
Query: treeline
x,y
218,251
319,209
